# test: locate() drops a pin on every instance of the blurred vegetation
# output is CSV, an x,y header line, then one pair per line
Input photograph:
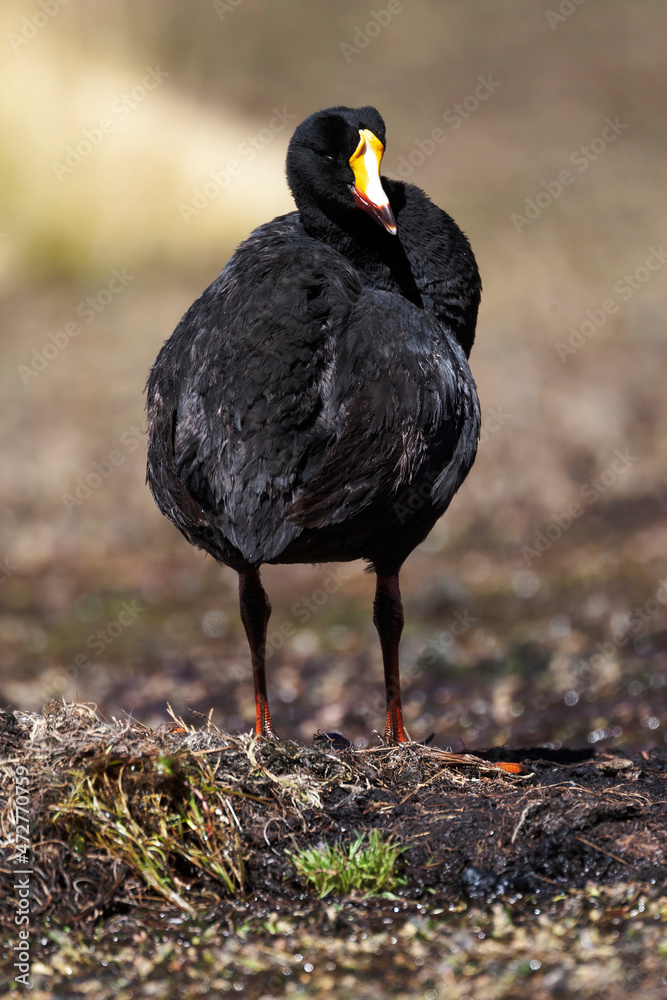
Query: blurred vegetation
x,y
567,635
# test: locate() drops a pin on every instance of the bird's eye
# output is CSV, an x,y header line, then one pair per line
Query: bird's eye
x,y
327,156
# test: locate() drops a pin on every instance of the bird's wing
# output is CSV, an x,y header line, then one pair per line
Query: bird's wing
x,y
249,363
407,413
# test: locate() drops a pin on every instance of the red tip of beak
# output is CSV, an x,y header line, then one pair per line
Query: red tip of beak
x,y
381,213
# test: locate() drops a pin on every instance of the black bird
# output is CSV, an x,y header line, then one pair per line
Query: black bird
x,y
315,403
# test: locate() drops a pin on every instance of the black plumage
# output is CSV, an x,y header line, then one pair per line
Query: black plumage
x,y
315,403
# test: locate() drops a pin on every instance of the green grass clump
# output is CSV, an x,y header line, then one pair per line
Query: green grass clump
x,y
367,865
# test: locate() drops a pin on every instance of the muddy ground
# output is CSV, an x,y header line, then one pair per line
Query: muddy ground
x,y
549,882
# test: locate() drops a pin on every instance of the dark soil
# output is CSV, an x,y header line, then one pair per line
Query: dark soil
x,y
547,882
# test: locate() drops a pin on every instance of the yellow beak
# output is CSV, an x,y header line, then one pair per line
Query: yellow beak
x,y
367,189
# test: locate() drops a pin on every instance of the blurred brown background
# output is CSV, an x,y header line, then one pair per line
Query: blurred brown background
x,y
535,611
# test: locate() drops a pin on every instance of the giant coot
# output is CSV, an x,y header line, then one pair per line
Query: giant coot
x,y
315,403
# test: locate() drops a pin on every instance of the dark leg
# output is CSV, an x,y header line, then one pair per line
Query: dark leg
x,y
388,619
255,612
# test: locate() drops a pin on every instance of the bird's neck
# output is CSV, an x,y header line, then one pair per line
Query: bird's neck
x,y
347,232
378,256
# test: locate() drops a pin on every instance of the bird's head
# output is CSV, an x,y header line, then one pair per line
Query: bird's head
x,y
333,165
